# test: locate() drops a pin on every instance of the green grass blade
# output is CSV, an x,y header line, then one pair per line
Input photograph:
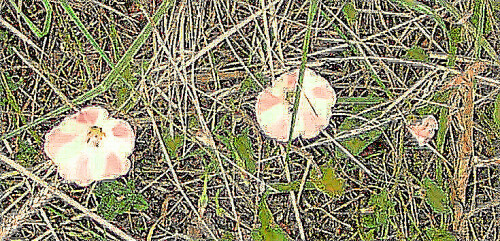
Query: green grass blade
x,y
85,32
46,24
471,29
110,78
305,50
11,99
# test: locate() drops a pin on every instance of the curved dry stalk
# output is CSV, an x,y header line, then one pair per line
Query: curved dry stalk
x,y
67,199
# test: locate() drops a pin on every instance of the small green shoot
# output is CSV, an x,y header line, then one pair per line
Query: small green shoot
x,y
436,197
172,143
218,210
496,112
203,201
117,198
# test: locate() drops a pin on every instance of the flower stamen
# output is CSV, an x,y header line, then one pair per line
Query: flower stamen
x,y
95,135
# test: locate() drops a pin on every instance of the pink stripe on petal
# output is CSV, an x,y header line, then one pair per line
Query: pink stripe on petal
x,y
322,92
279,129
290,80
88,116
82,175
76,170
121,130
267,101
55,140
313,124
114,166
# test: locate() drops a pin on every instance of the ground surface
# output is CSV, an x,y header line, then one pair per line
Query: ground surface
x,y
186,73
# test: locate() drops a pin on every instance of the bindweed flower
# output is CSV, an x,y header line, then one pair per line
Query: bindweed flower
x,y
425,130
274,106
90,146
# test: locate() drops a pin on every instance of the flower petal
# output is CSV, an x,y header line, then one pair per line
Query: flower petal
x,y
266,100
115,166
122,130
275,122
88,117
91,116
77,170
322,92
55,140
124,142
287,81
424,131
279,129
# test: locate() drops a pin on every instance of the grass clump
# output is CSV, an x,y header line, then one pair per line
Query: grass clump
x,y
377,222
117,198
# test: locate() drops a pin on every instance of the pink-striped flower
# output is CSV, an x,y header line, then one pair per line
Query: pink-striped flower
x,y
274,106
90,146
425,130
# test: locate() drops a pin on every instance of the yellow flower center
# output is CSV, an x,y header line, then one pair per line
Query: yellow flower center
x,y
94,136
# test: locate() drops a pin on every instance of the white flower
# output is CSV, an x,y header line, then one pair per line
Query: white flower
x,y
89,146
424,131
274,106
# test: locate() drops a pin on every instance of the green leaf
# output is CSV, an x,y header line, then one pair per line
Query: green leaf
x,y
383,209
172,144
436,197
244,152
292,186
286,187
443,128
417,53
269,234
356,144
439,235
265,215
329,183
268,230
350,12
496,113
